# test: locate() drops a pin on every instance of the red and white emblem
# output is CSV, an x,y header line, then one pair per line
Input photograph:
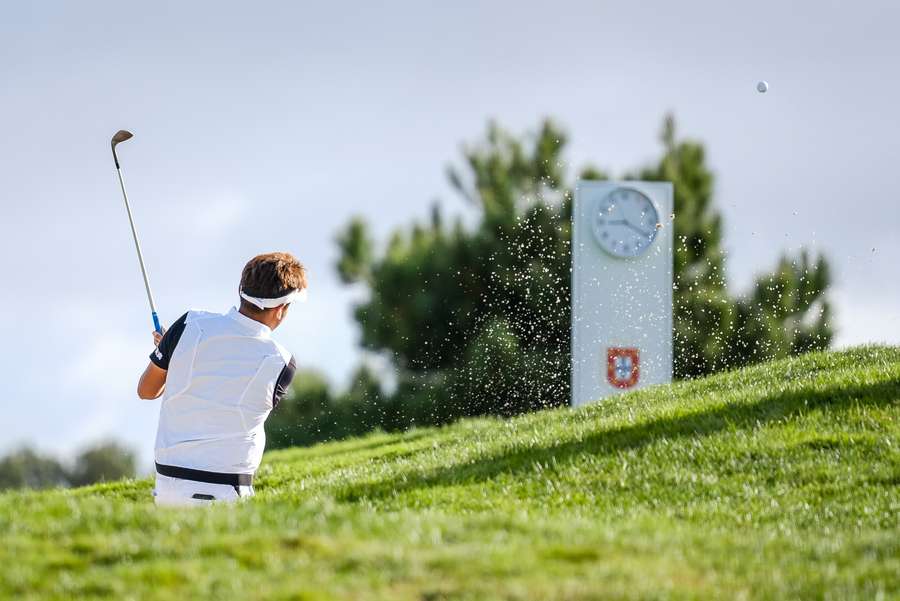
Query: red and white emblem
x,y
622,367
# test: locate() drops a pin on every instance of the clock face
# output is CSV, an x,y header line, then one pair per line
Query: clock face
x,y
625,223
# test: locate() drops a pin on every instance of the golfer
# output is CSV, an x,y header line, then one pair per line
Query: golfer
x,y
220,376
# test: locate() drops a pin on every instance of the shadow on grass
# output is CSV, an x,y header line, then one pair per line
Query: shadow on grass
x,y
345,447
349,446
606,442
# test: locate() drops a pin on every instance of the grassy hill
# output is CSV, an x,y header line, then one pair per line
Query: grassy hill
x,y
778,481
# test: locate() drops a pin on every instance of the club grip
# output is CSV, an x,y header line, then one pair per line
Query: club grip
x,y
156,322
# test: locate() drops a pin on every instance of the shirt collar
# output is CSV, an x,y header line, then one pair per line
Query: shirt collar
x,y
259,329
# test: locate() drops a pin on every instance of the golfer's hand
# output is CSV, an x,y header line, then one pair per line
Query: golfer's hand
x,y
157,336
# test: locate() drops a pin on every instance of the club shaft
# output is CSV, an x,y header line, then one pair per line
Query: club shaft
x,y
137,246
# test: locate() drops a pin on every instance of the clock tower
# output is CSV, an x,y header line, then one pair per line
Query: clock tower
x,y
621,287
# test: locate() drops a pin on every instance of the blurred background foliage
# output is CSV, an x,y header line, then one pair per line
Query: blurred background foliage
x,y
102,462
474,316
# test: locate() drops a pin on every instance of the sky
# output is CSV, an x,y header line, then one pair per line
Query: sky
x,y
266,126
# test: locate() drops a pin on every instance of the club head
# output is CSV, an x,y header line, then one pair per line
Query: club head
x,y
121,136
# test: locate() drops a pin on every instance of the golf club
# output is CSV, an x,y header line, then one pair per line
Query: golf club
x,y
121,136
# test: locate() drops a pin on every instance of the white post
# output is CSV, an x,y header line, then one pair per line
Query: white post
x,y
621,287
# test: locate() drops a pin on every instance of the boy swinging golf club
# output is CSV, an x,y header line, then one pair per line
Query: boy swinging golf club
x,y
220,376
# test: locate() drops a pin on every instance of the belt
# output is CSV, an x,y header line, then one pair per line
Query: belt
x,y
203,476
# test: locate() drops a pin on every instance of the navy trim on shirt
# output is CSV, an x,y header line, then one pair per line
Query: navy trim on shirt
x,y
283,384
163,353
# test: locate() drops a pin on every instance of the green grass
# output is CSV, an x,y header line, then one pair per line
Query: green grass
x,y
778,481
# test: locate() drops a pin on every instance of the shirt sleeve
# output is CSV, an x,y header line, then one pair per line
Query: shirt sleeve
x,y
283,384
163,353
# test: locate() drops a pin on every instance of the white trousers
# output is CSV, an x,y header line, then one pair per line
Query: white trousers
x,y
175,492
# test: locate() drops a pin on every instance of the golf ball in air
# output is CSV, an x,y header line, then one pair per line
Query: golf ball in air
x,y
762,87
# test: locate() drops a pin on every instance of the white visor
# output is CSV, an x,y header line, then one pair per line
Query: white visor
x,y
271,303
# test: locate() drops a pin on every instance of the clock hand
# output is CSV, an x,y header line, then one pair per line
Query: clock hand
x,y
628,224
637,229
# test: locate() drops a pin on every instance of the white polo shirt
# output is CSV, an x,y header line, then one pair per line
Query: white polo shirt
x,y
225,374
